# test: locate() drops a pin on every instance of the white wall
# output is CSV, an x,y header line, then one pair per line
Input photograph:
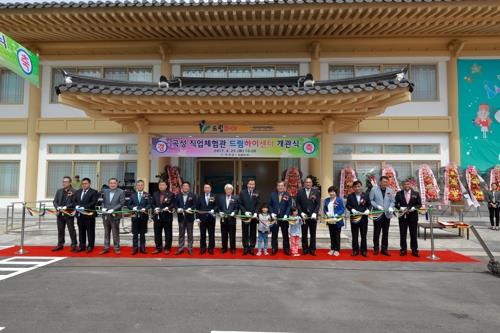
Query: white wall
x,y
394,138
46,140
412,109
20,140
54,110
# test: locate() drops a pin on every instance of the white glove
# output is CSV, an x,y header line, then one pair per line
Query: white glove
x,y
221,214
64,208
354,211
380,208
248,214
403,209
80,209
143,210
110,211
134,208
197,221
285,216
273,215
189,210
254,215
313,216
303,215
157,210
77,207
180,210
412,209
104,210
58,208
391,209
232,214
212,211
366,212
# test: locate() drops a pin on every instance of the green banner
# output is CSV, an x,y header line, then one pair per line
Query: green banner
x,y
18,59
479,112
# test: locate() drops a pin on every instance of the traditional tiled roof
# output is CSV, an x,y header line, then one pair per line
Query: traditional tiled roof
x,y
202,87
167,3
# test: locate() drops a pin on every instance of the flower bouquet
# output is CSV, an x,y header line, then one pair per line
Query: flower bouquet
x,y
474,181
453,187
389,172
347,177
429,188
495,176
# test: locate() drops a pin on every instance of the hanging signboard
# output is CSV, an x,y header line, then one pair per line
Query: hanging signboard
x,y
291,147
19,59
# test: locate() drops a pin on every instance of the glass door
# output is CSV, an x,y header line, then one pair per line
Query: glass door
x,y
217,172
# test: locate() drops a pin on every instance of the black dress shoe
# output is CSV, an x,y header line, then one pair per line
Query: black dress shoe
x,y
117,251
190,252
223,251
179,252
402,253
312,252
167,251
143,251
364,253
287,252
233,251
90,249
211,251
251,252
274,251
385,253
355,253
415,253
305,251
202,251
74,249
245,252
57,248
375,252
104,251
81,249
134,252
156,251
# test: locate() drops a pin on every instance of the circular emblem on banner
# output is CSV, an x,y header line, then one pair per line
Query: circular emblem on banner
x,y
309,147
24,61
161,146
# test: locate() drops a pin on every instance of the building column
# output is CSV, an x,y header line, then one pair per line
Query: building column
x,y
326,158
143,149
33,141
455,47
315,70
166,69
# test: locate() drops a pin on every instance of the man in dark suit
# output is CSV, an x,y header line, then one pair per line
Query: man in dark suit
x,y
64,203
164,206
408,202
86,200
249,201
228,206
140,202
280,205
186,204
358,203
113,199
308,203
207,204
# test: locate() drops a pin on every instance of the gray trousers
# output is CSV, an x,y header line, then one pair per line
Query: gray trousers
x,y
111,224
182,231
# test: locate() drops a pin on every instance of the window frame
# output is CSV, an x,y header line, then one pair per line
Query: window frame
x,y
23,95
227,67
18,162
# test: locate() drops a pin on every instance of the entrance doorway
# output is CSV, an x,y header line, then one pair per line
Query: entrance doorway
x,y
237,172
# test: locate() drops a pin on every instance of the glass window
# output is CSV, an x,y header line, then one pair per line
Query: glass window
x,y
287,71
9,178
369,149
425,79
192,71
263,71
343,149
392,68
216,72
113,149
11,87
112,169
120,74
397,149
341,72
367,70
130,172
403,169
10,149
132,149
365,167
86,169
56,170
60,149
86,149
240,72
426,149
140,74
90,72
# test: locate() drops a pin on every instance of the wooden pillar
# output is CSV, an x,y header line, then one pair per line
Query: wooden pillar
x,y
143,148
455,47
166,66
326,157
315,70
33,141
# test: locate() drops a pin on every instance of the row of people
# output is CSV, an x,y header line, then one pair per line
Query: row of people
x,y
257,217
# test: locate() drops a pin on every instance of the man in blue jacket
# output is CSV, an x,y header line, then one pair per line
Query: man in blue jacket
x,y
139,203
280,205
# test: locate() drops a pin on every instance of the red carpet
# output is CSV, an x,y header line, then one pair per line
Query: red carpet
x,y
444,255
